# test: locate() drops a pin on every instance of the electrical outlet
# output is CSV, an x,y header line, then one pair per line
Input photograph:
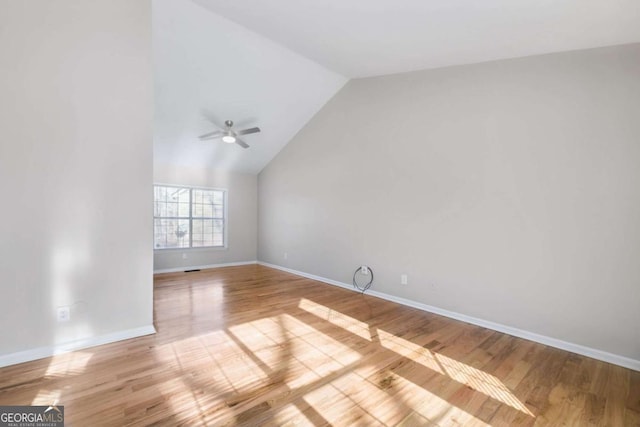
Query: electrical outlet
x,y
184,256
404,280
364,270
286,255
64,314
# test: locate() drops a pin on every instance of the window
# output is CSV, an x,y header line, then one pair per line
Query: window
x,y
185,217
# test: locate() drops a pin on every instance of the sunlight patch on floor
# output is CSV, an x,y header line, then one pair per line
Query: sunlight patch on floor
x,y
284,354
290,415
66,364
410,350
220,373
296,354
46,397
431,406
320,342
337,408
215,356
336,318
481,381
457,371
259,334
184,398
372,398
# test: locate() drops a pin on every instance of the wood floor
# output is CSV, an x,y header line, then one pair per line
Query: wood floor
x,y
255,346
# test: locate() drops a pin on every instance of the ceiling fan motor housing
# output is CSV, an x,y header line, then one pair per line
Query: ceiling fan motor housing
x,y
229,135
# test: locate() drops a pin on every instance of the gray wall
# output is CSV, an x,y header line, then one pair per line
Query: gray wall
x,y
507,191
242,225
75,170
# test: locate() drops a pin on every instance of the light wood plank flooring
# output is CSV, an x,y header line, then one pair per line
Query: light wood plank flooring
x,y
256,346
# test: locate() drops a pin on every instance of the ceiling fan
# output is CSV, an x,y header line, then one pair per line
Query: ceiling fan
x,y
229,135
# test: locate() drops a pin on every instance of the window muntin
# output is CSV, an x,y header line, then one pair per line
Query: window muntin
x,y
186,217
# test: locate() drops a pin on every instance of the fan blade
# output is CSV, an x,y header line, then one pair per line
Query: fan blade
x,y
248,131
241,143
210,135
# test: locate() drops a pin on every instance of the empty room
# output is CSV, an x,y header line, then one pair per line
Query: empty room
x,y
349,213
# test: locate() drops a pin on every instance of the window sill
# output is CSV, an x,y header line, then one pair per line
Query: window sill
x,y
206,249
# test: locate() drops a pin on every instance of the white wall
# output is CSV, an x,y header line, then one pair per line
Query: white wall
x,y
242,220
75,170
507,191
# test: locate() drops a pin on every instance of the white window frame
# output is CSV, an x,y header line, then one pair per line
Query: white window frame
x,y
225,228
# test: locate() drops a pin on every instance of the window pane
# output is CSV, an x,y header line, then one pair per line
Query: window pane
x,y
207,232
160,193
171,233
197,196
171,209
201,233
160,199
171,202
207,210
218,232
183,210
182,195
204,205
218,197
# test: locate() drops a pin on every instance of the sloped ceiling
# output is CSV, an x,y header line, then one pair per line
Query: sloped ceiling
x,y
274,64
373,37
209,68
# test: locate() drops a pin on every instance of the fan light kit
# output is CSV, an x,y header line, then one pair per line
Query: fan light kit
x,y
229,139
228,135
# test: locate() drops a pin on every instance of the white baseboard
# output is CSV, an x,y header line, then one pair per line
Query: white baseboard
x,y
202,267
42,352
520,333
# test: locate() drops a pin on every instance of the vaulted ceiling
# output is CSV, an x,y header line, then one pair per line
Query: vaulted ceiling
x,y
209,69
274,64
373,37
